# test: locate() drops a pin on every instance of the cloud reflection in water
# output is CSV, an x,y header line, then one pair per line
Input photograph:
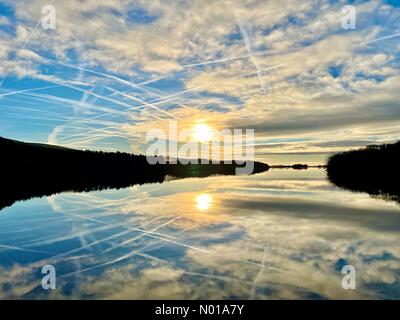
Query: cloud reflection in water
x,y
275,235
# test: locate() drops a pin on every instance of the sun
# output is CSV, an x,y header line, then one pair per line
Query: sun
x,y
203,201
202,132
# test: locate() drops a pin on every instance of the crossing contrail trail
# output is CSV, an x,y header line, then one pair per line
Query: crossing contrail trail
x,y
128,83
247,42
141,101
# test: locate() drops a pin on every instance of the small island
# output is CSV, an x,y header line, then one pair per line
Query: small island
x,y
297,166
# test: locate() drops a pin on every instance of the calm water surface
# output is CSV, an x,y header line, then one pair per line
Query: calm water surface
x,y
279,234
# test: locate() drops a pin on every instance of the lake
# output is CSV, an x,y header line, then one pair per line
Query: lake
x,y
281,234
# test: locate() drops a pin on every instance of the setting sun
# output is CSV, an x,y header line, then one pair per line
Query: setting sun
x,y
203,201
202,132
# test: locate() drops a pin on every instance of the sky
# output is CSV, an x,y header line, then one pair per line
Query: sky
x,y
112,70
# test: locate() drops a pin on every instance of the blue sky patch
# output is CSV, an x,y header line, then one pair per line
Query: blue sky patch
x,y
140,16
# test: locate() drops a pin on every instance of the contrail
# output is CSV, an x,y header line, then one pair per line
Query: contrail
x,y
142,235
174,96
215,61
395,35
152,103
103,98
247,42
77,103
3,246
212,82
128,83
27,90
92,244
141,101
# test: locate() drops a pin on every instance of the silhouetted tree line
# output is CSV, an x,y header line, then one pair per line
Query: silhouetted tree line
x,y
35,170
374,169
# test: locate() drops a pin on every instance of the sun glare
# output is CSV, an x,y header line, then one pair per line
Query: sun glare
x,y
203,201
202,132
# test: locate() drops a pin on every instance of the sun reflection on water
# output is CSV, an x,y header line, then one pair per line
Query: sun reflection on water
x,y
203,201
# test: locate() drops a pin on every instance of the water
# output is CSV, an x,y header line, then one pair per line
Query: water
x,y
279,234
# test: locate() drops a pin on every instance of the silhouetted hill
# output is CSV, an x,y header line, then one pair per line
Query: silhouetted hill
x,y
374,169
33,170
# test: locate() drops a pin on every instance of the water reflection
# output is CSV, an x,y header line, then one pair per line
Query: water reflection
x,y
203,201
282,234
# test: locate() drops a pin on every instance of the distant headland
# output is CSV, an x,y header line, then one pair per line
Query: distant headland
x,y
34,170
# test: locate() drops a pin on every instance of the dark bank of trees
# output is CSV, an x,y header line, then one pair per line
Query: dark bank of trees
x,y
374,169
33,170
